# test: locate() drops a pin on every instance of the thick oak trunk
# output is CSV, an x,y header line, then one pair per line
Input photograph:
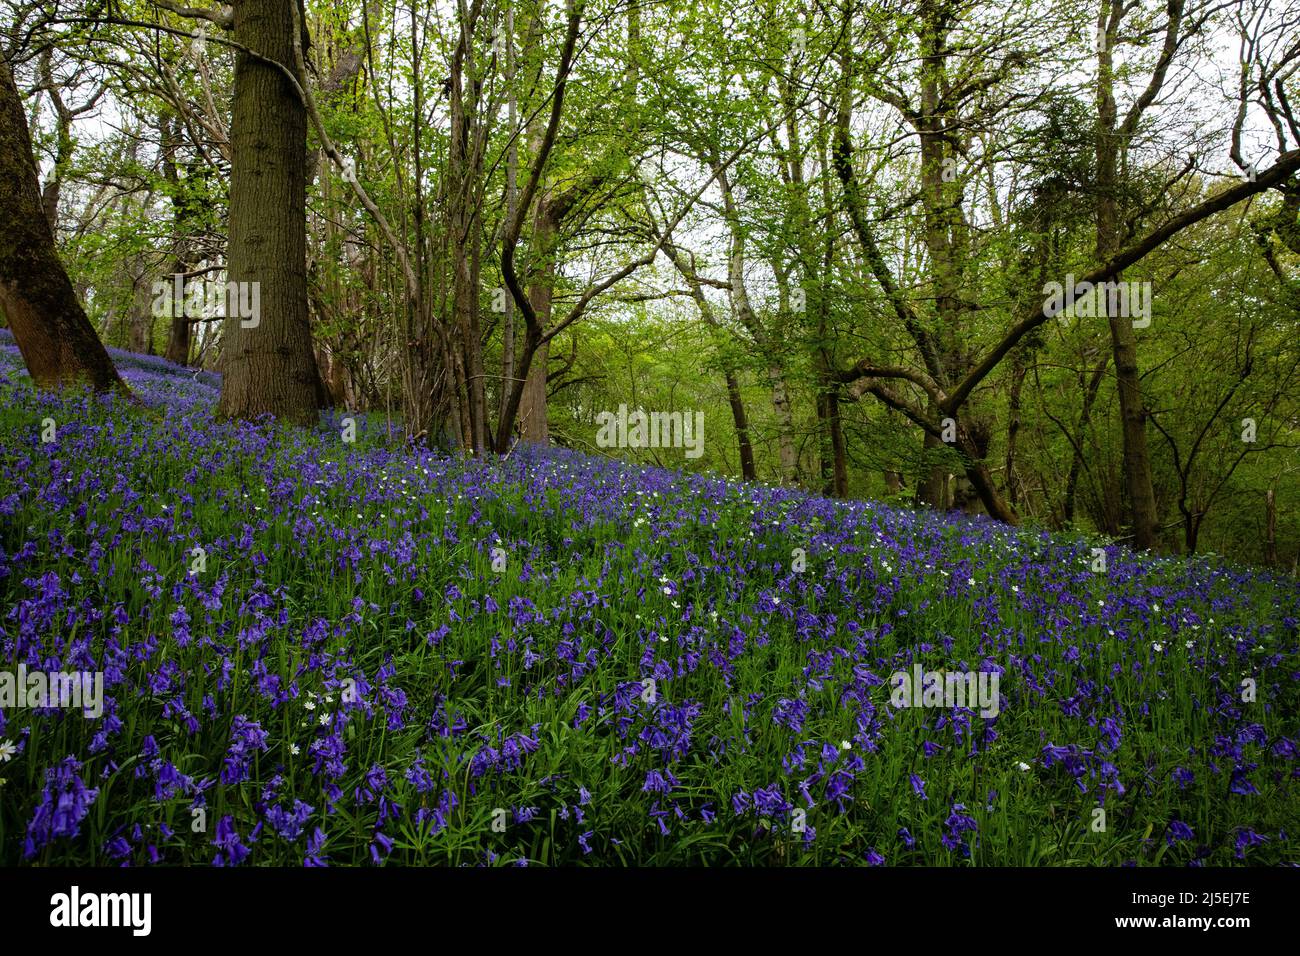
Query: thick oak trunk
x,y
267,360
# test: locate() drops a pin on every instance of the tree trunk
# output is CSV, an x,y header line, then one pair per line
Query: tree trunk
x,y
784,423
941,206
1137,456
534,327
825,466
839,448
1019,369
464,176
179,328
982,479
532,408
734,398
57,341
335,376
140,322
973,442
1270,529
268,364
512,204
831,451
932,482
63,139
741,420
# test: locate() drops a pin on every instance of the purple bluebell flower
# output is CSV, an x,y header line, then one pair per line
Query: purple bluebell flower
x,y
918,786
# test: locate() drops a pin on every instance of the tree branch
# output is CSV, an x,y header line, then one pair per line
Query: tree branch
x,y
1279,172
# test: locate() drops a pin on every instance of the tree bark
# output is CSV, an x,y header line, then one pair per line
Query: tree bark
x,y
512,201
835,471
57,341
941,197
140,320
464,174
534,329
741,420
533,410
1019,369
1137,455
268,367
180,329
932,482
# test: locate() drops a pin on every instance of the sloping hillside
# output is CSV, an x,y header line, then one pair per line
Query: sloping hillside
x,y
315,651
